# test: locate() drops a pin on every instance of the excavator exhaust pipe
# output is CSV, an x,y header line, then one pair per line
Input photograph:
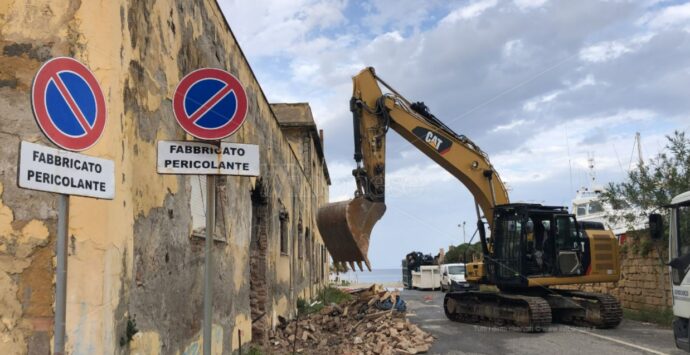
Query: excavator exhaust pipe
x,y
346,226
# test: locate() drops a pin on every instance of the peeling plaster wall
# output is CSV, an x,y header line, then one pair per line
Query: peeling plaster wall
x,y
297,124
133,257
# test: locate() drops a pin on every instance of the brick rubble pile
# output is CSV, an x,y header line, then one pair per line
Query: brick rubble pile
x,y
358,326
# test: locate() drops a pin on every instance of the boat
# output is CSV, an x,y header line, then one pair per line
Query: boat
x,y
588,206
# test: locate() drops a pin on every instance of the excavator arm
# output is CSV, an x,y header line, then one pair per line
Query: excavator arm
x,y
346,226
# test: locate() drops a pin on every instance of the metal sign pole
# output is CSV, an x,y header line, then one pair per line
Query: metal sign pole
x,y
208,258
61,279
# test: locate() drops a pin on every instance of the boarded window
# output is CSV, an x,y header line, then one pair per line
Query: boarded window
x,y
197,202
198,197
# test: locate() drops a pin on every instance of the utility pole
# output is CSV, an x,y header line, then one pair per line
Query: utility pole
x,y
463,231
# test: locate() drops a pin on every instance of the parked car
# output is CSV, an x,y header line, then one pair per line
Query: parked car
x,y
453,278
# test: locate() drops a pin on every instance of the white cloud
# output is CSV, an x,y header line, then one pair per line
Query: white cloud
x,y
406,181
414,179
546,153
272,27
393,36
610,50
603,51
470,11
669,16
342,182
587,81
400,14
510,126
304,70
513,48
534,104
529,4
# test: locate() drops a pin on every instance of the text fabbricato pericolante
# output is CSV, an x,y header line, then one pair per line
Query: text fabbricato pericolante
x,y
48,169
203,158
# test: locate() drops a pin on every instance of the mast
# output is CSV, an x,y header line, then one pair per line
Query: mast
x,y
592,174
638,142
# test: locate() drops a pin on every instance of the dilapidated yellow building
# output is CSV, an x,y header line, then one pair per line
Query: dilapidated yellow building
x,y
139,258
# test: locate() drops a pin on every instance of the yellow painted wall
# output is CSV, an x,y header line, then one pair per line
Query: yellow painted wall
x,y
132,258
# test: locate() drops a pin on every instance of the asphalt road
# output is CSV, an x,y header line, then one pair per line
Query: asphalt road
x,y
425,308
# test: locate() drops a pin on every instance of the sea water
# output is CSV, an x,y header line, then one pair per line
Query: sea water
x,y
379,276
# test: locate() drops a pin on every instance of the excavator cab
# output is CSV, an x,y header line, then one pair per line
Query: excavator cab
x,y
533,240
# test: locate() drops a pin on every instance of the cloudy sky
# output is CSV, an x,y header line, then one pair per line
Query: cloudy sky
x,y
538,84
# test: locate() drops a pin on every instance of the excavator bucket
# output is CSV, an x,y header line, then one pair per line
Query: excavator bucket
x,y
345,228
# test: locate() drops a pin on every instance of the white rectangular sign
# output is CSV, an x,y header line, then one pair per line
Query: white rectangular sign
x,y
206,159
55,170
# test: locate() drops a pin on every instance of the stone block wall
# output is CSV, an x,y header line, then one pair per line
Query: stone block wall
x,y
644,284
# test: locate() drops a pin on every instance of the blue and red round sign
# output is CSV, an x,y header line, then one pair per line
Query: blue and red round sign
x,y
68,104
210,104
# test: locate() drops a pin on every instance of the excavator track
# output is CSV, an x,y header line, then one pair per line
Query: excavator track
x,y
531,314
589,309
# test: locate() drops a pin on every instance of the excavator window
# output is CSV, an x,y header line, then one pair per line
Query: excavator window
x,y
539,245
568,236
509,246
569,246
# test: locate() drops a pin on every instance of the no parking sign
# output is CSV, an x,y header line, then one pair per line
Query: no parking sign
x,y
210,104
68,104
70,109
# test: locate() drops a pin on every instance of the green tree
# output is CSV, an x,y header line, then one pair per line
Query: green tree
x,y
457,253
653,184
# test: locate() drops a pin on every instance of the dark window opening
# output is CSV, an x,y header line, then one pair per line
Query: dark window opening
x,y
284,218
300,241
323,262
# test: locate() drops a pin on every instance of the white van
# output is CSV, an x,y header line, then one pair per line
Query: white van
x,y
453,278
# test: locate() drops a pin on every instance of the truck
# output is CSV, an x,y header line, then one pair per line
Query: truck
x,y
420,271
679,262
453,278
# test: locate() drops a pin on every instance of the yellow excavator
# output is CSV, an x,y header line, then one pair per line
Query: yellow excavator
x,y
530,249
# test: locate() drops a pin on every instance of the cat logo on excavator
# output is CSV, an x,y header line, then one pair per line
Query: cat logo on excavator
x,y
436,141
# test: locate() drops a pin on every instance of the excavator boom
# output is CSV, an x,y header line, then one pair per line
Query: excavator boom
x,y
346,226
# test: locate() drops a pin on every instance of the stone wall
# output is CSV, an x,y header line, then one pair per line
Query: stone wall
x,y
133,258
644,283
